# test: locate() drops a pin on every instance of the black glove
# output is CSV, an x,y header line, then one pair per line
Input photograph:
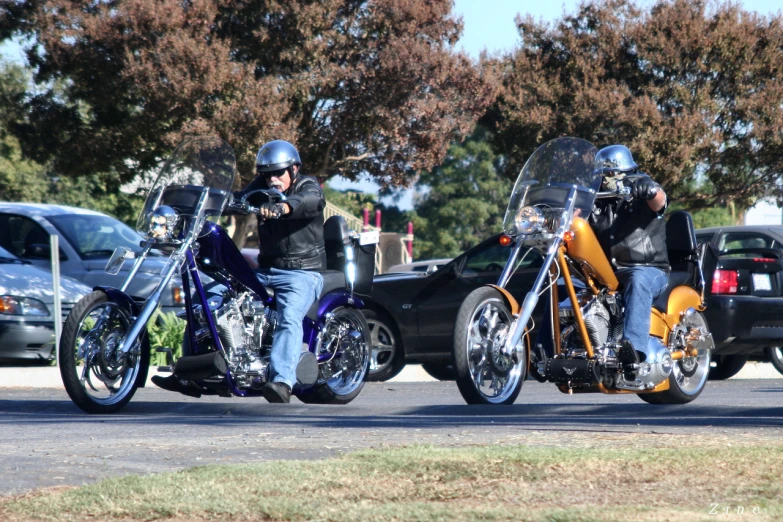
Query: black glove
x,y
271,210
644,188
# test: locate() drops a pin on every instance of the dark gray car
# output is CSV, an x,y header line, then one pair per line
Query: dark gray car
x,y
87,240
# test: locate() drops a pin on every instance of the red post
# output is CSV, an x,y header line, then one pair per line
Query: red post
x,y
410,241
366,213
377,219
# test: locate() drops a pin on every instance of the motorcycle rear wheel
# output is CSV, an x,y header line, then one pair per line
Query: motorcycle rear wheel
x,y
96,375
342,378
483,374
689,376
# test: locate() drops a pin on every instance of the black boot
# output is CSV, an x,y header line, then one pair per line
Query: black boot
x,y
277,392
172,383
629,358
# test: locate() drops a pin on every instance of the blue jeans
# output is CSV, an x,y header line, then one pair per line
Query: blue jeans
x,y
295,292
640,286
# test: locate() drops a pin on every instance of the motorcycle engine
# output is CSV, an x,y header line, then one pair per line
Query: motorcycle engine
x,y
245,326
602,319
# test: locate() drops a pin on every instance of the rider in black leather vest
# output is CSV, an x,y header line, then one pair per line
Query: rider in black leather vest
x,y
630,233
296,240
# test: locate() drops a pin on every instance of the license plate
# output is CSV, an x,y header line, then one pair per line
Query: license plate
x,y
761,282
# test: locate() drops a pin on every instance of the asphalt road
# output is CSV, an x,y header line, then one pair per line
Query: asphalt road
x,y
46,441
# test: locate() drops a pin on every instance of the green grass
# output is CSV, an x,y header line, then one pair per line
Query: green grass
x,y
430,484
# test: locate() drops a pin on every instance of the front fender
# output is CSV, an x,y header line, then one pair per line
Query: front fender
x,y
133,308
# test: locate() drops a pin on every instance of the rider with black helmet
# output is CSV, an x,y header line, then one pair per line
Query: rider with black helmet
x,y
633,236
291,252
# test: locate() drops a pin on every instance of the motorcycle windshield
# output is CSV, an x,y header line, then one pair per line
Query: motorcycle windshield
x,y
549,175
196,181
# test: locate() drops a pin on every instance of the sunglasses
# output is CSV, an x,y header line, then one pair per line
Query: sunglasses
x,y
274,173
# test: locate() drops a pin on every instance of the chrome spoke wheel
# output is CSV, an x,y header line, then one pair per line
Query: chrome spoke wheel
x,y
495,374
98,376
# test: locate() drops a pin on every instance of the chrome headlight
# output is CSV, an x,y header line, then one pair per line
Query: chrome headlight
x,y
163,222
528,220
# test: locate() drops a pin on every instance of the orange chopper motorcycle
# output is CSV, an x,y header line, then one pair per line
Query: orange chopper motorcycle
x,y
492,336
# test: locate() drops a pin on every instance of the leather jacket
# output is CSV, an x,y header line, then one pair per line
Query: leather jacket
x,y
295,241
630,233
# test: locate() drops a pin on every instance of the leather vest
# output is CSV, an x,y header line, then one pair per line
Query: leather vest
x,y
294,241
630,233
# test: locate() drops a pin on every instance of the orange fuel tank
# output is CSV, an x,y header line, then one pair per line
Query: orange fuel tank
x,y
584,247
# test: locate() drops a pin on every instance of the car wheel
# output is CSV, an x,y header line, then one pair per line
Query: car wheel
x,y
387,357
775,356
441,372
726,366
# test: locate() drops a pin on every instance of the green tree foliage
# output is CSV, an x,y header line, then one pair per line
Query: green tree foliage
x,y
22,179
694,88
358,85
464,200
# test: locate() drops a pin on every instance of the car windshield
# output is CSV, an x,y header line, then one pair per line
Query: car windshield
x,y
8,256
94,235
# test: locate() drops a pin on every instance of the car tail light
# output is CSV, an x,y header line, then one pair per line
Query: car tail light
x,y
764,259
725,282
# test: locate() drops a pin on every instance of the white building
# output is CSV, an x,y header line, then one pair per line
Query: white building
x,y
764,213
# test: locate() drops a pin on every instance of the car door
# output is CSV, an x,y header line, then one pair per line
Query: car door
x,y
437,304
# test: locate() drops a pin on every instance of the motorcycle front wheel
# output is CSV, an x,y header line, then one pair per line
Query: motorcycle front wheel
x,y
689,375
342,377
97,376
484,374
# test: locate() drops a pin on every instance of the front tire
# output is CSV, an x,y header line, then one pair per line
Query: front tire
x,y
485,375
689,375
441,372
341,378
96,375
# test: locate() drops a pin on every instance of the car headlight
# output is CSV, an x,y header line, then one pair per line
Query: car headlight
x,y
163,221
14,305
528,220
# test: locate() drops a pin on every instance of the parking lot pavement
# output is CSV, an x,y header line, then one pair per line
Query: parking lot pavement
x,y
49,376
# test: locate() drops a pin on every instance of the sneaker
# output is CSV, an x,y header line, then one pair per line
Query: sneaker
x,y
277,392
629,358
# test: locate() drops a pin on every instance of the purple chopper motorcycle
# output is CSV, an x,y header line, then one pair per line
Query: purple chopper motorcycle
x,y
104,352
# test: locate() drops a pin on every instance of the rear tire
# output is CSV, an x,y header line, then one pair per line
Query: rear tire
x,y
387,357
97,377
726,366
775,357
689,375
483,374
342,378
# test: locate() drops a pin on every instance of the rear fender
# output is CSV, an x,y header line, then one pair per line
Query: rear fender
x,y
680,299
133,309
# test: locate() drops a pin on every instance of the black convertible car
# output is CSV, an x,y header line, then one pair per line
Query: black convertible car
x,y
411,315
745,308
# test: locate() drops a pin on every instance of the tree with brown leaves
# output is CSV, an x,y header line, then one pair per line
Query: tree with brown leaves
x,y
358,85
